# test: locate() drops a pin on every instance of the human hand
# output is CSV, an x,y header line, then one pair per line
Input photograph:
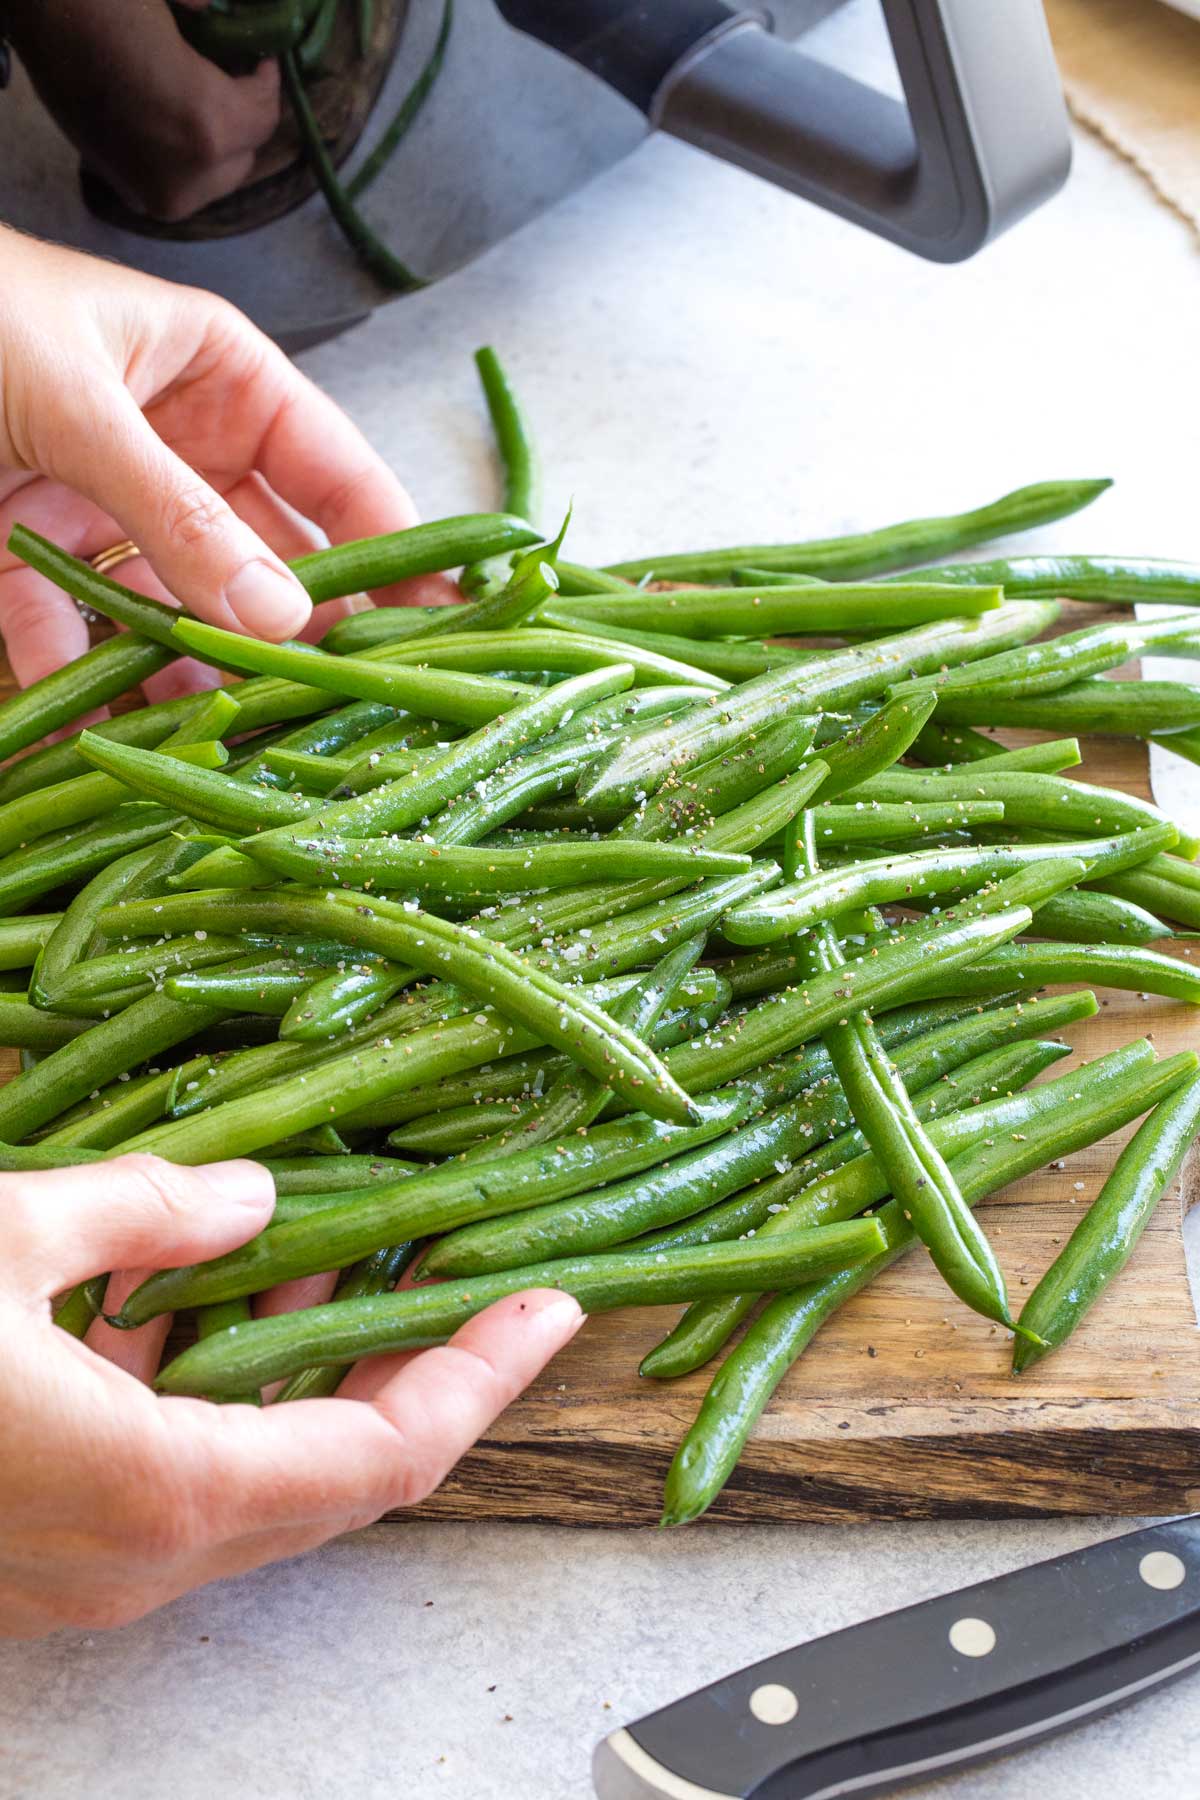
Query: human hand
x,y
132,408
112,1500
166,128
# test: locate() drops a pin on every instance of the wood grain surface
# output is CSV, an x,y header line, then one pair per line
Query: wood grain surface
x,y
903,1407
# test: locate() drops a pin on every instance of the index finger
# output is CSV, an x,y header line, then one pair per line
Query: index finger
x,y
321,464
343,1463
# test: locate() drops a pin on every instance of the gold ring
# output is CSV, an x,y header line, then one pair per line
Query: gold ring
x,y
105,561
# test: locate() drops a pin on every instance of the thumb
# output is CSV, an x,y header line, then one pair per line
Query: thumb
x,y
208,558
68,1224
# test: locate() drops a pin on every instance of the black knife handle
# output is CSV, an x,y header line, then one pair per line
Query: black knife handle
x,y
901,1698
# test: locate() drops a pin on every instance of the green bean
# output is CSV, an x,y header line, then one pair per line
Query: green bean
x,y
912,1164
314,45
251,986
22,938
377,562
466,873
207,795
873,746
903,876
451,1195
1113,708
808,610
1107,1235
210,1322
27,1027
691,801
487,970
733,660
73,854
518,460
576,1098
1030,798
619,943
620,1211
420,1316
469,699
876,822
325,774
375,256
532,651
856,673
75,1312
1034,759
127,1105
873,552
1108,580
376,1274
753,1370
82,798
1102,965
109,1049
145,968
1036,669
404,117
1000,1071
416,1317
941,746
100,675
403,803
1146,887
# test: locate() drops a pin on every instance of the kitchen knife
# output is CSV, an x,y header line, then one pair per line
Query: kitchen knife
x,y
905,1697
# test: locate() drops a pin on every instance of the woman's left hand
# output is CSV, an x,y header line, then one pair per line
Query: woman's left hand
x,y
132,408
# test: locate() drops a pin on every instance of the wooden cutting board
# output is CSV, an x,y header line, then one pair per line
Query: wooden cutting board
x,y
903,1407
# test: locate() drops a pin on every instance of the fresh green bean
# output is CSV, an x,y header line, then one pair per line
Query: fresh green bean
x,y
109,669
733,660
533,651
874,552
868,749
907,875
877,822
1035,669
809,610
1108,580
72,855
468,873
436,783
1050,964
1033,799
1112,708
75,1312
1000,1071
856,673
445,1197
416,1317
21,939
376,1274
468,699
111,1048
1105,1238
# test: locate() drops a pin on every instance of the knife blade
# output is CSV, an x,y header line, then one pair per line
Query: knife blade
x,y
1174,782
901,1698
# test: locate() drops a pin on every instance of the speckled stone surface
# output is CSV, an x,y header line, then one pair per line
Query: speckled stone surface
x,y
705,359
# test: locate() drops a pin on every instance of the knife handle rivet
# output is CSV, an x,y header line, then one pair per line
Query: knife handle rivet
x,y
1161,1569
774,1704
972,1637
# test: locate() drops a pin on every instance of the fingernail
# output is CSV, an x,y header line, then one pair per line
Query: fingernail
x,y
241,1183
266,602
563,1314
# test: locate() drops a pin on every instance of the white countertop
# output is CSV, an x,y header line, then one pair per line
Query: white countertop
x,y
706,360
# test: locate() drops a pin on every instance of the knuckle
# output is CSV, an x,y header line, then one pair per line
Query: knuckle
x,y
191,514
162,1187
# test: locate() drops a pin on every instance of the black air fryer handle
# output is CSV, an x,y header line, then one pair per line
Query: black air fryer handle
x,y
981,140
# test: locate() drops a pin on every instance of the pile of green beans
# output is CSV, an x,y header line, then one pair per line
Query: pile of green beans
x,y
569,893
